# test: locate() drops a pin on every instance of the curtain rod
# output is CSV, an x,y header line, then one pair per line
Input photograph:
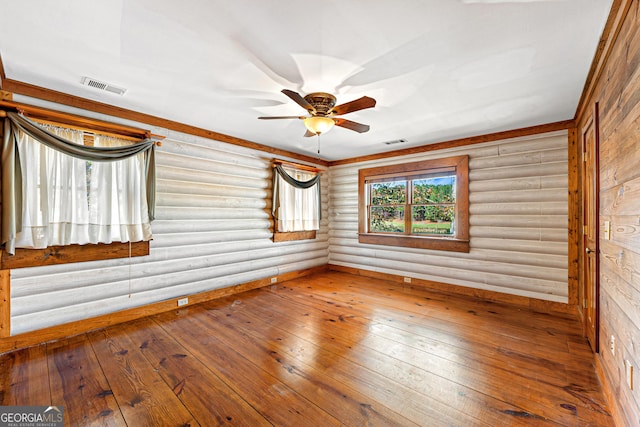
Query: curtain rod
x,y
296,165
90,131
83,123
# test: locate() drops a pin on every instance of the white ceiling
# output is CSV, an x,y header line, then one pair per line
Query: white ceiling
x,y
439,69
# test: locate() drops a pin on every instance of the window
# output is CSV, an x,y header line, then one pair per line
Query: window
x,y
296,202
68,200
420,205
62,195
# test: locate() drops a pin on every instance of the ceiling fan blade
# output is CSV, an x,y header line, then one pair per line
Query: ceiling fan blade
x,y
281,117
358,104
358,127
308,133
295,96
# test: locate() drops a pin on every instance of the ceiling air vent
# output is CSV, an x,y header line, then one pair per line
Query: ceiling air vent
x,y
396,141
97,84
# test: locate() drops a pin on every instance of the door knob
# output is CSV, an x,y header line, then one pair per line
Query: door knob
x,y
588,250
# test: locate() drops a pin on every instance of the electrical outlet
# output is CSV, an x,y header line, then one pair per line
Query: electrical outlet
x,y
274,279
612,345
183,301
407,280
628,368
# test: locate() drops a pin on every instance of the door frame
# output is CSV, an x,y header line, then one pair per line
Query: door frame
x,y
594,122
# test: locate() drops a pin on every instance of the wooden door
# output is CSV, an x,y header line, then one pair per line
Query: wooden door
x,y
590,279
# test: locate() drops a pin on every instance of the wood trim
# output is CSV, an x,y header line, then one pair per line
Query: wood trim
x,y
497,136
409,174
73,253
296,166
420,242
574,228
293,235
3,76
617,16
617,413
27,89
66,330
596,202
77,122
592,122
5,303
531,303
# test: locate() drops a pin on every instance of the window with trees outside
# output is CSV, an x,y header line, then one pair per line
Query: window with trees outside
x,y
421,204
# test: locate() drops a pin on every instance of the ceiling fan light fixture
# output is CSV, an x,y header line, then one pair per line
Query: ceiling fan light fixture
x,y
319,124
323,110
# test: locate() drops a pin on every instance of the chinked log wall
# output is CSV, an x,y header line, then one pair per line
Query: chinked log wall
x,y
518,221
213,230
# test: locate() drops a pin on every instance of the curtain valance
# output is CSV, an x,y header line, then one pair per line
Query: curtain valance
x,y
292,181
281,177
84,152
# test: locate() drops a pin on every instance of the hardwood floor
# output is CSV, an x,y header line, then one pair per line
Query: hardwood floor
x,y
324,350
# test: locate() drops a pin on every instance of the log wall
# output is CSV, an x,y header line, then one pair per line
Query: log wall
x,y
213,229
617,92
518,221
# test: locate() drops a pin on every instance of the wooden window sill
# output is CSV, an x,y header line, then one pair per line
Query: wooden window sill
x,y
421,242
294,235
73,253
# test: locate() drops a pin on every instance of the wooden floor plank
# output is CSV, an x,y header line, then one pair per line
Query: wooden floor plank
x,y
525,333
25,378
451,310
322,350
335,397
562,321
460,328
204,394
388,328
423,336
327,360
432,380
144,398
277,402
78,380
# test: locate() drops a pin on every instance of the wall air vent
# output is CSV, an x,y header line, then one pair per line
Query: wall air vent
x,y
97,84
396,141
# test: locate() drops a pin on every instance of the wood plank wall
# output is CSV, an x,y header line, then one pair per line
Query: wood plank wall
x,y
518,221
213,230
617,92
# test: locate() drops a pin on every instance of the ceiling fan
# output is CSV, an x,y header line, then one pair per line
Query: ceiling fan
x,y
322,110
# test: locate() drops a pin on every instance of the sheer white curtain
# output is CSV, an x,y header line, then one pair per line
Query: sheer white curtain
x,y
298,208
54,188
71,201
117,197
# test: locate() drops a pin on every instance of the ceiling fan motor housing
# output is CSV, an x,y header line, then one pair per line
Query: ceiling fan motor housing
x,y
322,102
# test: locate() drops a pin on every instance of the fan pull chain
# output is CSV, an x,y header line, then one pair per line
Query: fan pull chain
x,y
318,145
